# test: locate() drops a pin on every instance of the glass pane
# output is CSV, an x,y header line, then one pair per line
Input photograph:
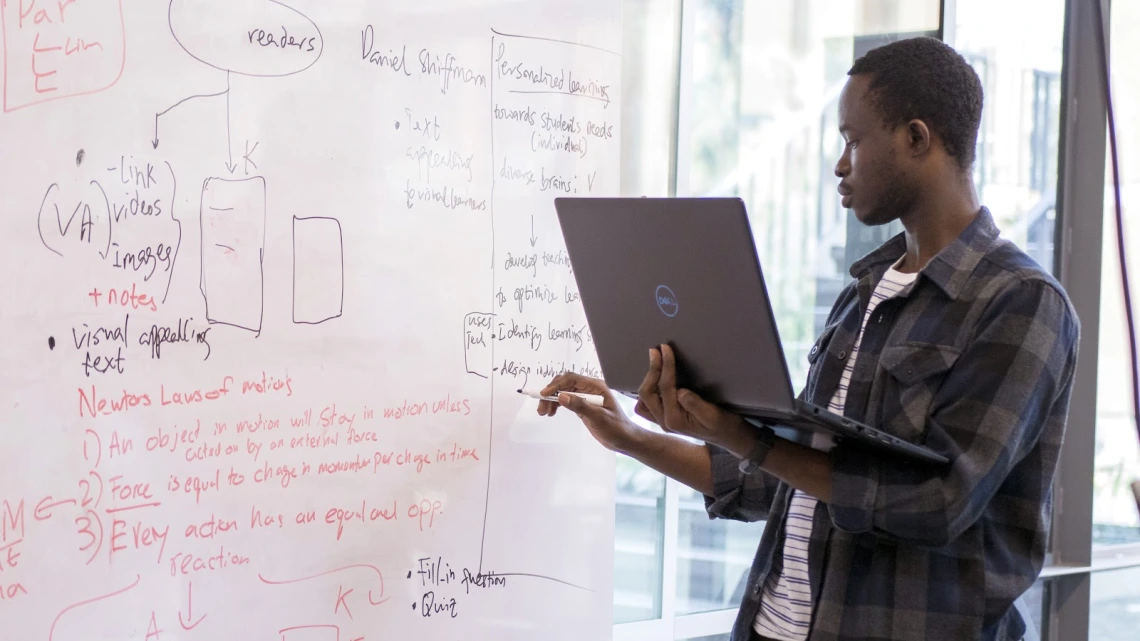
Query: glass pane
x,y
713,557
763,126
1115,517
650,44
638,542
1020,69
650,49
1114,610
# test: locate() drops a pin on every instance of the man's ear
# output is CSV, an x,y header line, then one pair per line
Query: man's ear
x,y
918,137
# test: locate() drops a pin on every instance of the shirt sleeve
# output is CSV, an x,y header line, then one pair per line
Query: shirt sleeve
x,y
736,495
1010,385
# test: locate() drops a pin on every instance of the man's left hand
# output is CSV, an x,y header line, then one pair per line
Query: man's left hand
x,y
684,412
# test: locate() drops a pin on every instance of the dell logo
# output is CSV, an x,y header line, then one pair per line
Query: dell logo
x,y
666,301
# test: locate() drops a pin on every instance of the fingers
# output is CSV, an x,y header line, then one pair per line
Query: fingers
x,y
714,419
550,408
571,382
649,398
579,406
667,387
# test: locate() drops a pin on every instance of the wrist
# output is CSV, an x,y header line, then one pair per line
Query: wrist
x,y
633,440
739,440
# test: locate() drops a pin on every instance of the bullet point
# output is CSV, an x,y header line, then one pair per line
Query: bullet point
x,y
413,606
79,157
397,124
409,574
51,342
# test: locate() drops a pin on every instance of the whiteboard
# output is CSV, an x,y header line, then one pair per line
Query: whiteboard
x,y
272,275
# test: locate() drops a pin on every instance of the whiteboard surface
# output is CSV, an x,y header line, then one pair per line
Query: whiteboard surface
x,y
272,273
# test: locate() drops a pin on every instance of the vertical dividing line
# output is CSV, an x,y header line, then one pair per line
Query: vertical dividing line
x,y
491,379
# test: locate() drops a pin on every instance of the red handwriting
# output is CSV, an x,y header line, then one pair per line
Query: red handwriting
x,y
123,298
210,528
189,397
11,591
129,492
93,405
425,509
189,610
377,600
51,632
186,563
10,555
258,520
141,536
69,53
341,517
11,520
172,440
43,508
152,630
196,485
445,405
287,636
283,473
341,595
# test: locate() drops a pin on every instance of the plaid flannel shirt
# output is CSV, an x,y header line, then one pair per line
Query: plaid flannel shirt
x,y
974,360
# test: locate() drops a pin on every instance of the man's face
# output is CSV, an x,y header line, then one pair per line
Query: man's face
x,y
874,179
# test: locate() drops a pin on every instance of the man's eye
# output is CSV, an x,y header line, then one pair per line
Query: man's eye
x,y
851,143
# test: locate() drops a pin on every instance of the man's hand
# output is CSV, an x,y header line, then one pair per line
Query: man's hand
x,y
608,424
684,412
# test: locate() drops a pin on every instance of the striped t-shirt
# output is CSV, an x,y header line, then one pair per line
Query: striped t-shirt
x,y
785,605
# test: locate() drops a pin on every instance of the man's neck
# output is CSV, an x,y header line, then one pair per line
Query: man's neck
x,y
941,215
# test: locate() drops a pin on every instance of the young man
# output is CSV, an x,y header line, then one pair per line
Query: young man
x,y
949,337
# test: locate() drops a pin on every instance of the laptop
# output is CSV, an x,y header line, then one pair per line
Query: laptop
x,y
684,271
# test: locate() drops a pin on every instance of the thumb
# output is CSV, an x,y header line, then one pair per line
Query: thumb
x,y
577,405
706,413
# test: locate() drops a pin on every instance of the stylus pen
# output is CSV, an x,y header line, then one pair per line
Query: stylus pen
x,y
592,399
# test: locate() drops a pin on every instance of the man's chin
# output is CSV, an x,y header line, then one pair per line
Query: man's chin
x,y
873,217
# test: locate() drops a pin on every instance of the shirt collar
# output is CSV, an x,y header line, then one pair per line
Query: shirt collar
x,y
951,268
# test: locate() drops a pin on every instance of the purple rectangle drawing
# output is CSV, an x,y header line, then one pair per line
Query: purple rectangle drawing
x,y
233,251
318,270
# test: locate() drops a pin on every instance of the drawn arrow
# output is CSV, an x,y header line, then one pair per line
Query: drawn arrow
x,y
229,147
533,238
154,141
189,610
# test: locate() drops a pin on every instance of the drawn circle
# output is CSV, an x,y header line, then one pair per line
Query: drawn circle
x,y
265,39
666,301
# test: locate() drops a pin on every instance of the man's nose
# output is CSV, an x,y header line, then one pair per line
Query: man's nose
x,y
843,166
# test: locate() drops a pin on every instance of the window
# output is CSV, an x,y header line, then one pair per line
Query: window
x,y
738,97
1115,518
1020,69
1115,605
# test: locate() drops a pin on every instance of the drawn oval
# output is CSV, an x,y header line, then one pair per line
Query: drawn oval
x,y
263,38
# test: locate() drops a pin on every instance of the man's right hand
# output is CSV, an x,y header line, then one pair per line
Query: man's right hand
x,y
608,424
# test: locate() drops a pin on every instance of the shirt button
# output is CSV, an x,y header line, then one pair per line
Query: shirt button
x,y
756,589
842,355
814,350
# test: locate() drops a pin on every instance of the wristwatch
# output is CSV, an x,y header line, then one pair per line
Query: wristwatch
x,y
765,440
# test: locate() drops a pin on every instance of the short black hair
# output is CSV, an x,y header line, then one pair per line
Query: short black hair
x,y
925,79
